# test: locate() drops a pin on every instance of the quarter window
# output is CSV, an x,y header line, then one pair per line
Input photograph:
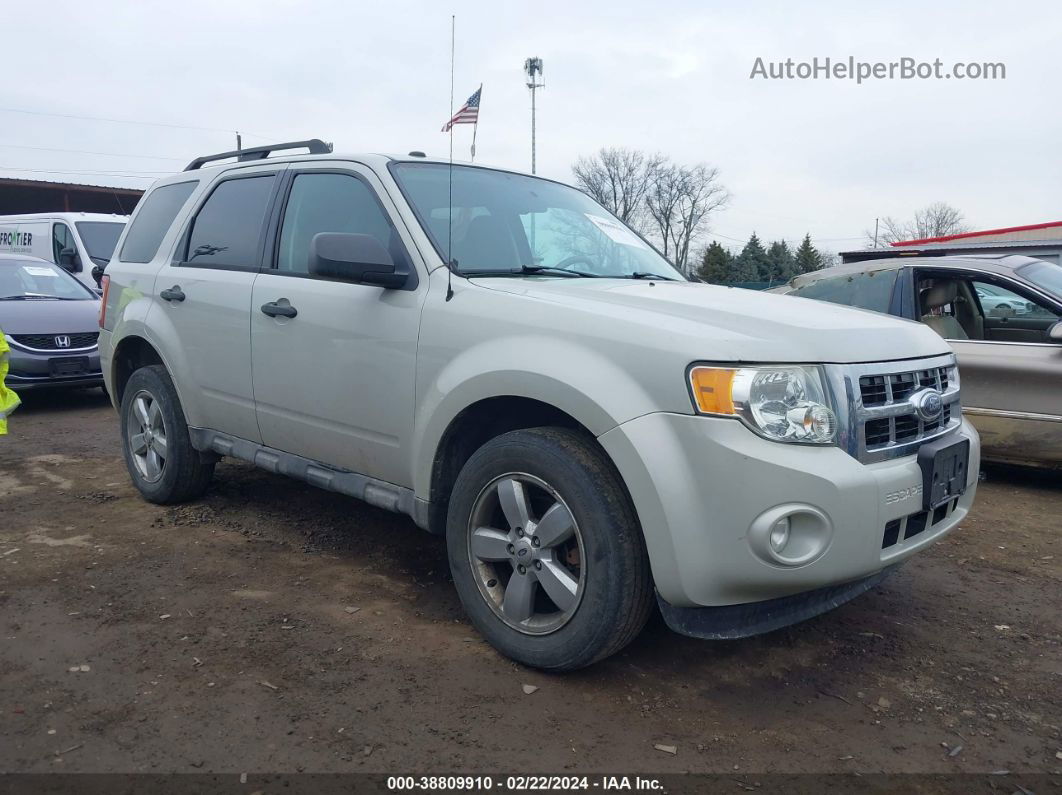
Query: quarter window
x,y
331,203
228,229
154,218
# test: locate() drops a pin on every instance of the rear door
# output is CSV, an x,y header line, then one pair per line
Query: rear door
x,y
205,293
335,383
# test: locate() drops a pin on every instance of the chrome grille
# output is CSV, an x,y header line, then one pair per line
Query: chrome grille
x,y
881,419
47,342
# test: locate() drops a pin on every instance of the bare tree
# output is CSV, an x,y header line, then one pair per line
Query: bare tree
x,y
936,220
680,201
618,179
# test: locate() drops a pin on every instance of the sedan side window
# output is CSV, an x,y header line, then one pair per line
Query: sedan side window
x,y
871,290
332,203
998,301
1010,316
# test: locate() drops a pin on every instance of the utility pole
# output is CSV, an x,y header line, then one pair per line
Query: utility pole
x,y
535,80
239,142
876,232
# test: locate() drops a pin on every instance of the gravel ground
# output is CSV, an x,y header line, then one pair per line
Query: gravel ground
x,y
275,627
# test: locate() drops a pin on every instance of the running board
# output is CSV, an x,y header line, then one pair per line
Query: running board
x,y
375,492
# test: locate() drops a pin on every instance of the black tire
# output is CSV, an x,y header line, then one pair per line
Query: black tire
x,y
185,473
616,589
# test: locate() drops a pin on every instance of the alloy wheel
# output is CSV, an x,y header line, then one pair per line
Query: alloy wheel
x,y
146,431
526,553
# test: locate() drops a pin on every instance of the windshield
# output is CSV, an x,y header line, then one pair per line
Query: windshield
x,y
100,238
32,280
510,223
1045,275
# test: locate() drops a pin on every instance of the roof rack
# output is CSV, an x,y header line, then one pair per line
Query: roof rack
x,y
315,146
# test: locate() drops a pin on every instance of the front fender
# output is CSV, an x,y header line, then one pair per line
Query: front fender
x,y
590,387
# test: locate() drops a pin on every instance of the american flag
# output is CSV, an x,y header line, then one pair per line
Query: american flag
x,y
467,114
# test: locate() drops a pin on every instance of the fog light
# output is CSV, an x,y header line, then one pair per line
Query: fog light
x,y
794,534
780,535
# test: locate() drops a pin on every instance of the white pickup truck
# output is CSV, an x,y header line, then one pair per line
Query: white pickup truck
x,y
500,358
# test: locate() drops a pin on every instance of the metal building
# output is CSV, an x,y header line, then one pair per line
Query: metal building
x,y
1043,241
18,196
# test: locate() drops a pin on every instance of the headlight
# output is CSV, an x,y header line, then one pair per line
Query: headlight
x,y
785,404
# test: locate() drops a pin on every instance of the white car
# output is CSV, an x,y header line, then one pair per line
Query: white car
x,y
499,357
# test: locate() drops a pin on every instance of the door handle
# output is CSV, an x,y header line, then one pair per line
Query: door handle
x,y
279,308
173,294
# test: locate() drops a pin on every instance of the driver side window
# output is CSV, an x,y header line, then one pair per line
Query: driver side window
x,y
960,306
62,240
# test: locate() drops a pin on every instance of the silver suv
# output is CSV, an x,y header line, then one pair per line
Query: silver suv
x,y
500,358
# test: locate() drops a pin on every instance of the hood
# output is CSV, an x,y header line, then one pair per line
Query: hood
x,y
732,324
49,317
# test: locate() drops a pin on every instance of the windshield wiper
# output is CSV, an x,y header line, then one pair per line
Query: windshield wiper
x,y
532,270
646,275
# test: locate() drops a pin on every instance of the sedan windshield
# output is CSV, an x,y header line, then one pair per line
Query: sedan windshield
x,y
100,238
1045,275
503,223
28,280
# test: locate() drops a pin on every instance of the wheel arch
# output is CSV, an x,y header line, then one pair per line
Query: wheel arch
x,y
130,354
476,424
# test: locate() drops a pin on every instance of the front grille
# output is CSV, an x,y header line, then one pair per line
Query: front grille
x,y
880,390
886,418
47,342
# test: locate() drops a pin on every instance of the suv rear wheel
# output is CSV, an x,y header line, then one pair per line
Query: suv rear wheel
x,y
546,551
160,458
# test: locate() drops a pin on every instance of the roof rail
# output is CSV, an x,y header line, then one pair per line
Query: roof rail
x,y
315,146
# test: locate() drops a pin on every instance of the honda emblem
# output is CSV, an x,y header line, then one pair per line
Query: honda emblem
x,y
62,341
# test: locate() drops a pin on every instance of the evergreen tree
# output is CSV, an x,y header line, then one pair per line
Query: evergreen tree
x,y
808,258
782,262
716,264
751,264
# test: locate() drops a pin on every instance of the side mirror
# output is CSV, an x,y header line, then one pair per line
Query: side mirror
x,y
97,274
355,258
69,259
1054,333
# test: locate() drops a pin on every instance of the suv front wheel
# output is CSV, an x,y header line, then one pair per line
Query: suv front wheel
x,y
160,458
546,551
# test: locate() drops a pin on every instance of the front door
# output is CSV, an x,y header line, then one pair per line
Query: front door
x,y
335,382
1010,369
206,295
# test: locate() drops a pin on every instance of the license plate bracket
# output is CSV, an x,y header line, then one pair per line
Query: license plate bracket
x,y
67,365
944,465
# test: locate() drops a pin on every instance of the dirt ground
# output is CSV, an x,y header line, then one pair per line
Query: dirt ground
x,y
275,627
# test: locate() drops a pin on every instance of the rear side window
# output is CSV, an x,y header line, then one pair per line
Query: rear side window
x,y
228,229
863,290
154,219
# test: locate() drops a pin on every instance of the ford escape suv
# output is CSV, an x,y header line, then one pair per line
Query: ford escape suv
x,y
500,358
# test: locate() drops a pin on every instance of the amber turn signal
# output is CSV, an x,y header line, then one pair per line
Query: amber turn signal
x,y
712,389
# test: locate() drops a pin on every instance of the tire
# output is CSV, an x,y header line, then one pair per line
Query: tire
x,y
182,473
571,491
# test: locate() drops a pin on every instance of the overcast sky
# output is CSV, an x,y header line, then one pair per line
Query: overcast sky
x,y
824,156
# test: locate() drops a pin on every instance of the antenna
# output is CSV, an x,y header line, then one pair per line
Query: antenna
x,y
450,177
535,80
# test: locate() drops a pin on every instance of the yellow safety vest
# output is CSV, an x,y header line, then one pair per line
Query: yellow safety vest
x,y
8,399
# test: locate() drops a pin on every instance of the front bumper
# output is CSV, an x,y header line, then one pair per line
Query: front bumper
x,y
29,370
700,484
